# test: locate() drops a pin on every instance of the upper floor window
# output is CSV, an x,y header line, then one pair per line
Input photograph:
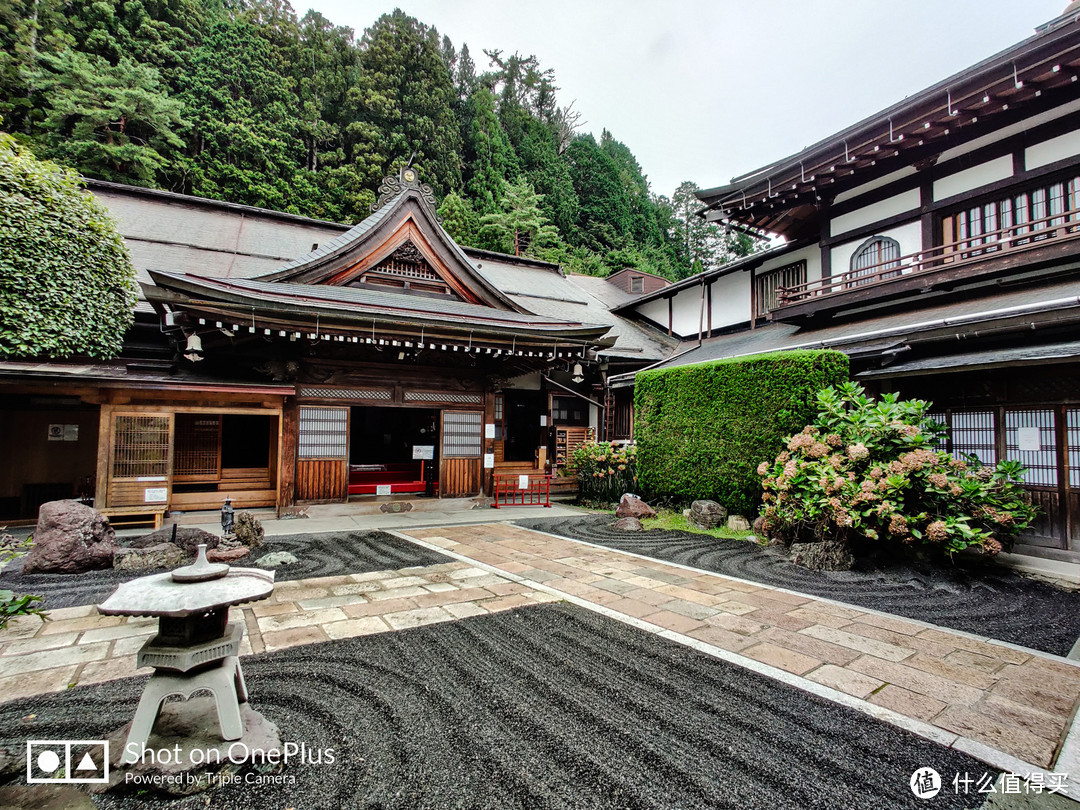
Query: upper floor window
x,y
637,284
768,284
876,258
1018,218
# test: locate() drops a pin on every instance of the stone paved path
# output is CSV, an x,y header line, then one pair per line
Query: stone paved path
x,y
79,646
967,691
1016,701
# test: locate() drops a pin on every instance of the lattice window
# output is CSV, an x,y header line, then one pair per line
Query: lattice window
x,y
767,284
141,447
498,407
462,434
1030,439
874,260
982,227
1072,427
407,262
973,434
324,432
198,439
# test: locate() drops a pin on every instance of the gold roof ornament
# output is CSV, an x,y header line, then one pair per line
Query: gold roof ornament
x,y
408,176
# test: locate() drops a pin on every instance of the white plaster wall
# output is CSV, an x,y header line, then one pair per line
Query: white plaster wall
x,y
656,311
687,314
1007,132
867,215
908,235
731,299
858,191
1059,148
973,178
811,255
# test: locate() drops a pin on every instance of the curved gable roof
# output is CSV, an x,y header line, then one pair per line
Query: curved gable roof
x,y
407,217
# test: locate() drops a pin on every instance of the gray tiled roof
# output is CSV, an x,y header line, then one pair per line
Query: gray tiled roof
x,y
547,292
358,302
883,329
338,242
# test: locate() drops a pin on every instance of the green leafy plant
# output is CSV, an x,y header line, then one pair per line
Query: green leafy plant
x,y
869,469
67,286
605,471
701,429
11,603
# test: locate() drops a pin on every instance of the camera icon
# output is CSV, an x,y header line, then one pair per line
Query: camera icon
x,y
67,761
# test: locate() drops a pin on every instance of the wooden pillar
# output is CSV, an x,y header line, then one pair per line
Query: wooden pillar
x,y
289,430
105,421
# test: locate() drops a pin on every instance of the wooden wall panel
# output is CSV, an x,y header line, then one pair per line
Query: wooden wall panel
x,y
461,477
322,479
290,424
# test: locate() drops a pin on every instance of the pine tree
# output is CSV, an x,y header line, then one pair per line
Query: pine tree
x,y
115,122
491,158
459,219
519,227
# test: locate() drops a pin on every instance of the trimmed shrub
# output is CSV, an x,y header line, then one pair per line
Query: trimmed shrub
x,y
702,430
869,469
605,471
67,286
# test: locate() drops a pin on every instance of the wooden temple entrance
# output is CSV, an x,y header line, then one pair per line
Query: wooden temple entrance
x,y
394,347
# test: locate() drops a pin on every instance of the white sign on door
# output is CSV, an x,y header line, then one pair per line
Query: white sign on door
x,y
1028,439
382,489
155,495
489,461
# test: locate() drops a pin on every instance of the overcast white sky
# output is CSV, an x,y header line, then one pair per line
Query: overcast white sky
x,y
707,90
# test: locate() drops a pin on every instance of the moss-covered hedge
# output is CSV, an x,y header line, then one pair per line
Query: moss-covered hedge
x,y
703,429
67,286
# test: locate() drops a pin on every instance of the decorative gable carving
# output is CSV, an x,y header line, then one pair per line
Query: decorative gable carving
x,y
404,269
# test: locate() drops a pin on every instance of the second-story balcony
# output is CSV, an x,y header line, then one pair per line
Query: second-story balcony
x,y
1030,244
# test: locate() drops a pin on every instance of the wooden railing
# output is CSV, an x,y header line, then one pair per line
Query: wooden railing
x,y
971,250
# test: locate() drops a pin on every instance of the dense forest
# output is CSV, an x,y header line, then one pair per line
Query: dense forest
x,y
240,100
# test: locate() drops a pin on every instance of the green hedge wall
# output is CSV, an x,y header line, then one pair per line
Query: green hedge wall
x,y
703,429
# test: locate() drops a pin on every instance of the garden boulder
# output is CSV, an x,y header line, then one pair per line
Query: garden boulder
x,y
248,530
706,515
825,556
737,523
70,538
187,538
633,506
628,524
227,555
159,555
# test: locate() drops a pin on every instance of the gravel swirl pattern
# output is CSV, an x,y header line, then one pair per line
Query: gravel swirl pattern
x,y
318,555
986,600
541,707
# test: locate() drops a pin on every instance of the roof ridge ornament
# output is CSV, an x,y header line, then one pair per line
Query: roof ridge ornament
x,y
408,176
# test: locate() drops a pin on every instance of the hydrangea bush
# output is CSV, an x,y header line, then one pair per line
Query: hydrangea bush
x,y
870,469
605,471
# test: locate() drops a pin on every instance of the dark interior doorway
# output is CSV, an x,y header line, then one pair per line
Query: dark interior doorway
x,y
245,440
523,430
382,442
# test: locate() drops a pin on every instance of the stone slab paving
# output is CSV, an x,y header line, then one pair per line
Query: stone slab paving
x,y
77,645
1009,699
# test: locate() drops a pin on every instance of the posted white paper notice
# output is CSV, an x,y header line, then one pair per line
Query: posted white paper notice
x,y
1028,439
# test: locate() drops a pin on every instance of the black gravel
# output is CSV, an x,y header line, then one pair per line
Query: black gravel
x,y
984,599
543,707
318,555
